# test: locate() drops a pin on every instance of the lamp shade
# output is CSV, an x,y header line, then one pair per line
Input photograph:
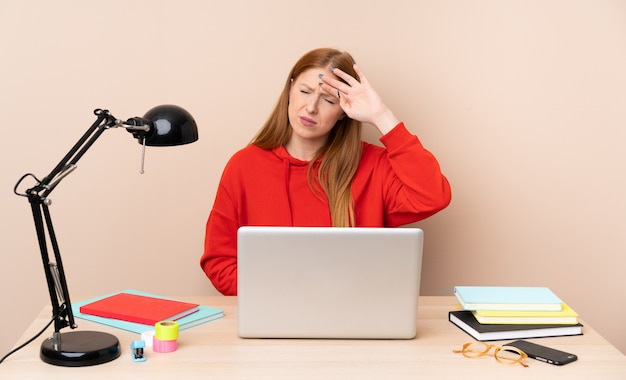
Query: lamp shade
x,y
171,125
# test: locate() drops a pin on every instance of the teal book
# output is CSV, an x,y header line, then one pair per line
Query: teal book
x,y
507,298
203,315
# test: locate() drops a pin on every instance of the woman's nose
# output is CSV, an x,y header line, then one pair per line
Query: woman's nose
x,y
311,106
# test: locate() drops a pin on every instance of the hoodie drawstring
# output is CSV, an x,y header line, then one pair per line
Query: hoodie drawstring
x,y
286,165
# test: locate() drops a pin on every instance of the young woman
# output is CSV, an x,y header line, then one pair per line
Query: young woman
x,y
307,166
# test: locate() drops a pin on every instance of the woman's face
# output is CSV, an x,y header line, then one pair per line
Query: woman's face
x,y
312,111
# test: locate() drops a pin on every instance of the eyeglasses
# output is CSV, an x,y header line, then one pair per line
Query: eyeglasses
x,y
503,354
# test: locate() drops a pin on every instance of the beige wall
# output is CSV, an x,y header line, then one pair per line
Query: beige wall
x,y
523,102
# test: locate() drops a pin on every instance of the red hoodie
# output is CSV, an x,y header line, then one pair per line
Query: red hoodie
x,y
392,187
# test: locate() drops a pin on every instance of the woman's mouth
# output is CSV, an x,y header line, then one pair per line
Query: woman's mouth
x,y
307,122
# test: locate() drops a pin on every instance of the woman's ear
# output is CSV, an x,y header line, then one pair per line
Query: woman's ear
x,y
289,92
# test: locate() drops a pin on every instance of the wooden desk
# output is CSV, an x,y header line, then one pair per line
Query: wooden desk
x,y
214,351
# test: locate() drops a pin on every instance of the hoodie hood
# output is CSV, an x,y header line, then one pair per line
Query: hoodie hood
x,y
281,152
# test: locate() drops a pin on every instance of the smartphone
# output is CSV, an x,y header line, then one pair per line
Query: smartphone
x,y
543,353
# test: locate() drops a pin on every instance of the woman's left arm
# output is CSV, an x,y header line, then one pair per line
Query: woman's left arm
x,y
415,186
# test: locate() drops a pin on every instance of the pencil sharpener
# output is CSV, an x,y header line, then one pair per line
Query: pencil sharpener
x,y
136,350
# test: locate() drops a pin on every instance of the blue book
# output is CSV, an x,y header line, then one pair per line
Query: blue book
x,y
507,298
203,315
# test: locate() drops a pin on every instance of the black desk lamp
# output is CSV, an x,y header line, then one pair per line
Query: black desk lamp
x,y
165,125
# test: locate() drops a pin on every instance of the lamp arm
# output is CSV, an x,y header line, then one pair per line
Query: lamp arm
x,y
55,275
38,198
103,122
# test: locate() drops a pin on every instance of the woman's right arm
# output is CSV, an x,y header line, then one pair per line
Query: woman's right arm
x,y
219,261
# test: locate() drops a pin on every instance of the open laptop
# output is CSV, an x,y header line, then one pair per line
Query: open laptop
x,y
325,282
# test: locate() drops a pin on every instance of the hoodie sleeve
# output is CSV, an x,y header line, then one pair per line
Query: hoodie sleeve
x,y
414,186
219,260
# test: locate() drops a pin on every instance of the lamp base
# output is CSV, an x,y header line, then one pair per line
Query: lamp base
x,y
80,348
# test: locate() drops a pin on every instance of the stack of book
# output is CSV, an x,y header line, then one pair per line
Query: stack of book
x,y
501,312
138,311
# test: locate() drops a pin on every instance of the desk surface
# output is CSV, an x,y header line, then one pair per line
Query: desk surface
x,y
213,350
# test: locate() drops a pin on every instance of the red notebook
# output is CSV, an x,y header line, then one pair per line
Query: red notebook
x,y
139,309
